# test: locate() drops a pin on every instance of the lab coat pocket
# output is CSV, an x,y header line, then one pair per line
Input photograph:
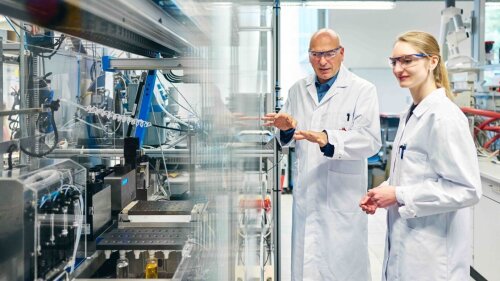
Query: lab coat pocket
x,y
344,191
423,256
334,121
413,167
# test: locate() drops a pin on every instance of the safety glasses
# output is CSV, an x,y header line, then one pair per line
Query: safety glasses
x,y
330,54
406,60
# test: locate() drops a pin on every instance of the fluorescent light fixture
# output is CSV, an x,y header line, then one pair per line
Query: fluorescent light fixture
x,y
345,5
493,4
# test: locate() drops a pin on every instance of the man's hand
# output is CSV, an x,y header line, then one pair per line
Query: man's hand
x,y
368,205
282,121
383,196
320,138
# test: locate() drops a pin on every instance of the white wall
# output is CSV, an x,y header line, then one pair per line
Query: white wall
x,y
367,36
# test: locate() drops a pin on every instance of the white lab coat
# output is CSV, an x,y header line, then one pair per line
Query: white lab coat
x,y
329,232
437,177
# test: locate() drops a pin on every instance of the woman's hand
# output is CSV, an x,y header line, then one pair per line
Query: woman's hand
x,y
383,196
367,205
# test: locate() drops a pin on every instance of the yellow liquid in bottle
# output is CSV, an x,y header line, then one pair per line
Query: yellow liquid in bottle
x,y
151,269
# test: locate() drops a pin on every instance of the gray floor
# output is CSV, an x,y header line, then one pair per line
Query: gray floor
x,y
376,236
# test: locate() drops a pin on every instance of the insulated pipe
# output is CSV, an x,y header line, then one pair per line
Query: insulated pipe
x,y
491,141
495,129
483,125
481,112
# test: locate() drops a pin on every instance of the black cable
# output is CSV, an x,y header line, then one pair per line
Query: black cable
x,y
169,128
136,101
281,158
10,150
56,135
49,56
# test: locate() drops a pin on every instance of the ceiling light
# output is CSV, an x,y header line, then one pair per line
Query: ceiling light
x,y
345,5
493,4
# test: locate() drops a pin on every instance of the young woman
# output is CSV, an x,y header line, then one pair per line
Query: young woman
x,y
434,173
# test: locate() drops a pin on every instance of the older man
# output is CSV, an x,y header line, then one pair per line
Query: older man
x,y
333,117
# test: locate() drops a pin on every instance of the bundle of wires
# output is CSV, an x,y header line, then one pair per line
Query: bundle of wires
x,y
29,140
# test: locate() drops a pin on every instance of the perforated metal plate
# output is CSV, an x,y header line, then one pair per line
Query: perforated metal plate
x,y
161,208
144,239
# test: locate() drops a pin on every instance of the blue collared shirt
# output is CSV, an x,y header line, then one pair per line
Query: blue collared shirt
x,y
322,89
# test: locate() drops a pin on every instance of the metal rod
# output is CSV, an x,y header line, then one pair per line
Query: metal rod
x,y
156,152
277,106
21,111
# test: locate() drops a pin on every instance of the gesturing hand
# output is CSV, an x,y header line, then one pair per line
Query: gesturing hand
x,y
282,121
317,137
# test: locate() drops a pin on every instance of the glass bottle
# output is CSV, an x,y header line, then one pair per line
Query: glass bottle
x,y
151,271
122,266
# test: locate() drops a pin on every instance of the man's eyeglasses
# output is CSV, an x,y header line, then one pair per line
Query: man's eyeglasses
x,y
407,60
330,54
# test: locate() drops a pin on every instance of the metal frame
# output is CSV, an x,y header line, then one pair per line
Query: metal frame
x,y
145,31
276,191
478,31
112,64
1,92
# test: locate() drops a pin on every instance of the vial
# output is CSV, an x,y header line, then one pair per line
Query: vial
x,y
122,266
151,271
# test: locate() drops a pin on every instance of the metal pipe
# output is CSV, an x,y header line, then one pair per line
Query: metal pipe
x,y
156,152
276,178
449,3
20,111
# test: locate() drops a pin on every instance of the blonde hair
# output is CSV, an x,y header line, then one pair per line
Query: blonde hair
x,y
427,44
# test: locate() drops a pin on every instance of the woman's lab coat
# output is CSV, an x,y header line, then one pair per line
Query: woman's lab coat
x,y
329,231
436,174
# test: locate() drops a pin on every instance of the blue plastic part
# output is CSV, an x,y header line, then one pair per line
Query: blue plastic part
x,y
145,107
106,64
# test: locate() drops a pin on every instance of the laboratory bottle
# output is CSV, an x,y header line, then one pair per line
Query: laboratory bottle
x,y
151,271
122,266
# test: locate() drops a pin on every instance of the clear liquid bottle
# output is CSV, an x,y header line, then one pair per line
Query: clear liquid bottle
x,y
122,266
151,271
